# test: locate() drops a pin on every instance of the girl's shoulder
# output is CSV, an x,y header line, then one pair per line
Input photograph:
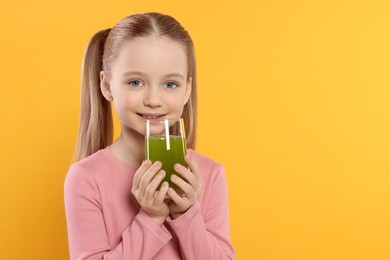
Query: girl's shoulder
x,y
89,167
91,162
80,176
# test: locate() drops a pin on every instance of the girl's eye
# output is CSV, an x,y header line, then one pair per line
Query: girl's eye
x,y
171,85
135,83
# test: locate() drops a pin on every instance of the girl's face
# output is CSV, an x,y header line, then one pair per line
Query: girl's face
x,y
148,81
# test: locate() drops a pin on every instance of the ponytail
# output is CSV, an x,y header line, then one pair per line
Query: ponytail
x,y
96,123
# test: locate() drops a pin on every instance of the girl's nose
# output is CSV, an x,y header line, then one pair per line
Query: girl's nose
x,y
153,98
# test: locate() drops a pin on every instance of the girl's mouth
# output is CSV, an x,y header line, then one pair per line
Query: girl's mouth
x,y
149,116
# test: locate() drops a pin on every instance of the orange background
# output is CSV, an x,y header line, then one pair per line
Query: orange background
x,y
294,101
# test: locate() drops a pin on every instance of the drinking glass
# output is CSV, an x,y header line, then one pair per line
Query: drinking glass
x,y
165,141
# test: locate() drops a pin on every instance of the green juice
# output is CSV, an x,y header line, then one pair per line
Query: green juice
x,y
157,150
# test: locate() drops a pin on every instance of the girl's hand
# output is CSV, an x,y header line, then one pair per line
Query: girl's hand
x,y
191,187
145,182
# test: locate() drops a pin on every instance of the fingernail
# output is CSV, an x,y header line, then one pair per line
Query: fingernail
x,y
173,177
161,173
158,163
146,162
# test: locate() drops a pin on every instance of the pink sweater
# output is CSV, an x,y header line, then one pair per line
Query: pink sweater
x,y
105,221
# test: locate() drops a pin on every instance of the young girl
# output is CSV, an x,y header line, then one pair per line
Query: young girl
x,y
145,66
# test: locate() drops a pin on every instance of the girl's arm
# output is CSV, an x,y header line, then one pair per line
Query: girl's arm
x,y
206,235
86,227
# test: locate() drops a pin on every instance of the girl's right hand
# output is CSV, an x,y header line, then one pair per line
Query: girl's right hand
x,y
145,182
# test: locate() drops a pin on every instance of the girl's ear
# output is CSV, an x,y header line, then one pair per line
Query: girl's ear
x,y
105,86
188,90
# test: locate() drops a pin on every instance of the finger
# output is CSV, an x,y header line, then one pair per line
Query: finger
x,y
193,165
147,177
140,172
186,174
176,198
160,197
151,189
182,184
195,170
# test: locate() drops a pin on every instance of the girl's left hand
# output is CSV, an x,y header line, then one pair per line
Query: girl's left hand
x,y
190,184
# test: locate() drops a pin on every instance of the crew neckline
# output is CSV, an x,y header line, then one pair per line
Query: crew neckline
x,y
108,153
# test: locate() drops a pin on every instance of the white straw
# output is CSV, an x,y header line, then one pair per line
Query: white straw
x,y
147,139
167,134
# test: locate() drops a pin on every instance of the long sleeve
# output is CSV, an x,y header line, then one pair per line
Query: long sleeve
x,y
87,233
206,235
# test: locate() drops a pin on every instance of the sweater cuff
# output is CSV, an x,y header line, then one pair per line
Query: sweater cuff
x,y
161,232
186,217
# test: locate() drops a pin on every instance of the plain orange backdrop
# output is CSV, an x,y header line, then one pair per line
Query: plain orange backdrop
x,y
294,101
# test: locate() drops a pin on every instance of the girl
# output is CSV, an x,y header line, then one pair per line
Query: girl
x,y
145,66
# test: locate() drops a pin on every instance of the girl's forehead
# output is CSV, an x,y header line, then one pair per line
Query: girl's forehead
x,y
151,55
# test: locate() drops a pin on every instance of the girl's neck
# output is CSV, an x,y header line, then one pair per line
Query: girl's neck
x,y
129,148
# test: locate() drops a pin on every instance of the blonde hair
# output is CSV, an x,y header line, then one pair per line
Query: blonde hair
x,y
96,123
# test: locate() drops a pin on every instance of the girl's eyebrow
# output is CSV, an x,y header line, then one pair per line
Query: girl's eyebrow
x,y
133,72
179,75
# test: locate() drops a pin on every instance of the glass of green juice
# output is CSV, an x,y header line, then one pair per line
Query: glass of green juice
x,y
165,141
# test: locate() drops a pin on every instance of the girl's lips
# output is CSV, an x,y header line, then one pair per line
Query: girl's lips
x,y
148,116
